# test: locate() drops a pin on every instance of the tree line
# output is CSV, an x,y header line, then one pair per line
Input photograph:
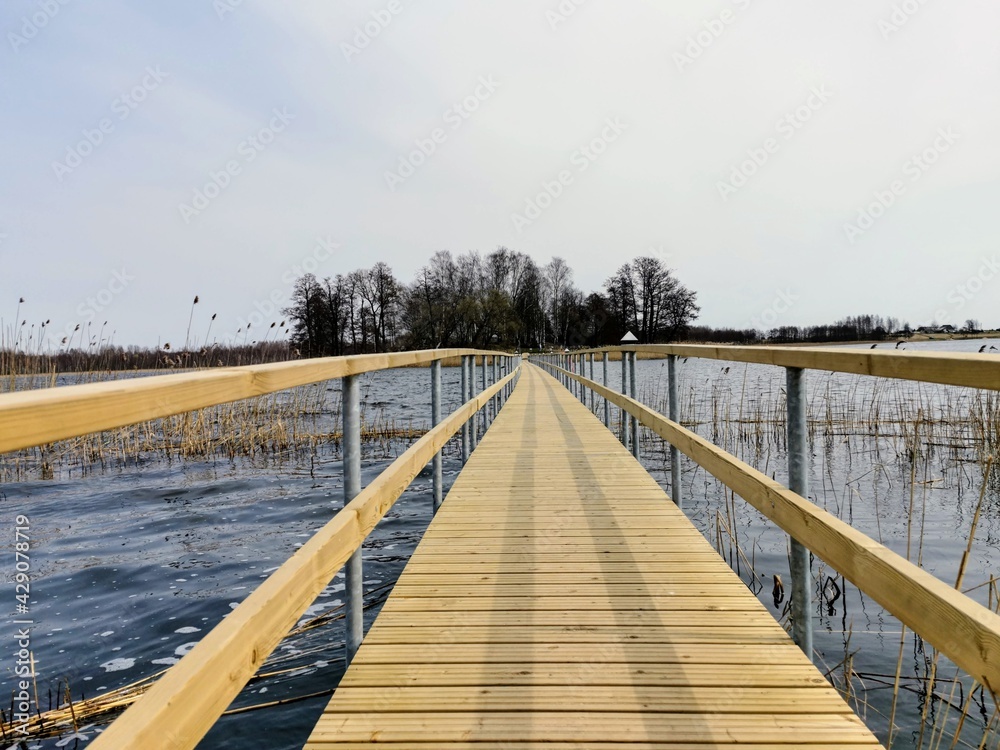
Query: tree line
x,y
503,299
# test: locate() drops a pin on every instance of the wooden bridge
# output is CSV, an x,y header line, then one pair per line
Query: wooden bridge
x,y
558,599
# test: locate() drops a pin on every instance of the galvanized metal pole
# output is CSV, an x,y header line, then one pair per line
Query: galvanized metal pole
x,y
607,404
581,360
438,464
465,397
591,355
798,481
503,374
474,421
674,415
624,414
635,420
486,408
355,612
496,379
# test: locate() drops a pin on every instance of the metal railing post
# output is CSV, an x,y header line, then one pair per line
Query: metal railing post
x,y
355,611
591,356
624,414
503,374
635,397
438,464
465,397
798,482
581,361
496,379
674,416
486,408
474,420
607,404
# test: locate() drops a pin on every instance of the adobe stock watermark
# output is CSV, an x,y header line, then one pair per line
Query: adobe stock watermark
x,y
365,33
31,26
914,169
786,127
454,117
248,149
562,12
93,138
224,8
900,16
784,300
713,29
581,158
661,253
92,306
961,294
270,305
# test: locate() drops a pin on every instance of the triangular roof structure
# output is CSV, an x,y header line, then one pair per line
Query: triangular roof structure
x,y
629,338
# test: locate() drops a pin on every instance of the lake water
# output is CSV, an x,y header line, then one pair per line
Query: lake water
x,y
130,567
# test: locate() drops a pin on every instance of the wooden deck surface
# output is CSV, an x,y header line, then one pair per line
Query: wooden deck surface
x,y
560,600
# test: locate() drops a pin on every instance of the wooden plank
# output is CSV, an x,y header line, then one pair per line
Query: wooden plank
x,y
594,634
592,672
596,603
626,619
552,578
593,698
585,727
568,653
482,589
562,600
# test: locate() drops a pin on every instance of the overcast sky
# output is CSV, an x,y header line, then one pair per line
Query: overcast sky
x,y
794,162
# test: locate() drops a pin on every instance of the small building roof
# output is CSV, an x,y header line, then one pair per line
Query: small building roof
x,y
629,338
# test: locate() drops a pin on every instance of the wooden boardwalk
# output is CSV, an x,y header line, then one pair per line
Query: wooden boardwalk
x,y
559,600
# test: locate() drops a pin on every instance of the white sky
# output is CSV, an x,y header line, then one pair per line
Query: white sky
x,y
885,97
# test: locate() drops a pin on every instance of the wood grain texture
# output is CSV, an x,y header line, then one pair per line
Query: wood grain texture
x,y
960,628
33,418
184,704
947,368
560,600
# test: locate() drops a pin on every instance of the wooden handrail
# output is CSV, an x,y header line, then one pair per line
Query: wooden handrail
x,y
184,704
960,628
33,418
945,368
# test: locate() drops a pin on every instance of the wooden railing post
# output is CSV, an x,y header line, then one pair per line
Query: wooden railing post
x,y
798,482
674,416
353,574
437,471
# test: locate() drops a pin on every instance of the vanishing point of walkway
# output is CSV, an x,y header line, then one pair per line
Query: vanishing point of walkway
x,y
559,600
